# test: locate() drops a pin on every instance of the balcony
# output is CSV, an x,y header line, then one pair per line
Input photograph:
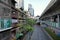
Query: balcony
x,y
1,30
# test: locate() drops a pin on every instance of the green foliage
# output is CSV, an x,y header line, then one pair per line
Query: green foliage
x,y
53,35
19,25
19,35
28,28
30,21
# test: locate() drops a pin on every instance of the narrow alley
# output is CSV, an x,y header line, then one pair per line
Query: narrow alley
x,y
29,19
39,34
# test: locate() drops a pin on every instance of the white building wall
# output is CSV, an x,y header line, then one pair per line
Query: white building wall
x,y
20,3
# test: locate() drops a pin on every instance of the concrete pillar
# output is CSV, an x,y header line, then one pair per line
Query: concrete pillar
x,y
58,20
51,21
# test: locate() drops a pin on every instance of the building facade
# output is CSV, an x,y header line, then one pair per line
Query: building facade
x,y
20,4
8,20
10,16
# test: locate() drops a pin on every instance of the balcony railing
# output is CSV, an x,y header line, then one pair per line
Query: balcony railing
x,y
52,24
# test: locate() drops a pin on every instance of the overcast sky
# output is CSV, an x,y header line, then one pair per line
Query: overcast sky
x,y
38,5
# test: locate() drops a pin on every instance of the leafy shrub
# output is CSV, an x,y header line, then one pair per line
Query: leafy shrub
x,y
19,25
28,28
30,21
53,35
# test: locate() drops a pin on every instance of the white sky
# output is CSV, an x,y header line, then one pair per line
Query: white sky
x,y
38,5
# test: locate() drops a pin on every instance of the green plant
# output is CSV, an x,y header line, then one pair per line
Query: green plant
x,y
53,35
28,28
19,25
30,21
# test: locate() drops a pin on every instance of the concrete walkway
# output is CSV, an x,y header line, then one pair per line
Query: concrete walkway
x,y
39,34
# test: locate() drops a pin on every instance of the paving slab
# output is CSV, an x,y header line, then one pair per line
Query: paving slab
x,y
39,34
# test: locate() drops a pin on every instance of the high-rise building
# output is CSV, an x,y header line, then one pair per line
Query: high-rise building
x,y
20,4
30,10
